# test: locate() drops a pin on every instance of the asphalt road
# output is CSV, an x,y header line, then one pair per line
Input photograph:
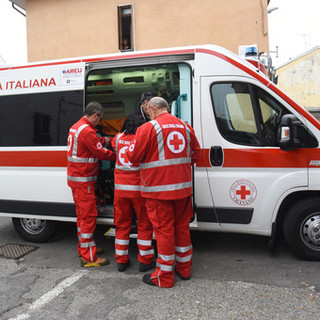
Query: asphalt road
x,y
233,277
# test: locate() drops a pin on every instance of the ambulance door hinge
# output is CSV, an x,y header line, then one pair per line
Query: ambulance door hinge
x,y
216,156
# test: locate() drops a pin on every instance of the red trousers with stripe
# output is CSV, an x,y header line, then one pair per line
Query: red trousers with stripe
x,y
170,219
123,220
85,202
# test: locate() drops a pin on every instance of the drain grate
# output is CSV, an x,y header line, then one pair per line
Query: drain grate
x,y
15,251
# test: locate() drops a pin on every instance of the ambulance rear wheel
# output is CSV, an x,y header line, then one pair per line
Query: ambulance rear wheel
x,y
34,230
301,229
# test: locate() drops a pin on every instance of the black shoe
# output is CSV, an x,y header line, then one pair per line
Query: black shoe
x,y
181,277
147,279
145,267
124,266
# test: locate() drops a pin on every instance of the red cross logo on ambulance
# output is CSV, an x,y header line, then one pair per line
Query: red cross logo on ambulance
x,y
176,142
123,158
243,192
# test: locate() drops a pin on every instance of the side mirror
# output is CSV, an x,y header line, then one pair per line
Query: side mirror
x,y
288,126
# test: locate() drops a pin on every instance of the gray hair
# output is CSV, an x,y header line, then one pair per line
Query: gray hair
x,y
159,103
92,108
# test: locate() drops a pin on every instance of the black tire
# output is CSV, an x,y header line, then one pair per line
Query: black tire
x,y
34,230
301,229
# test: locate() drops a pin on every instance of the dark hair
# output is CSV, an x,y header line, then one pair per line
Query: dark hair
x,y
131,124
92,108
147,95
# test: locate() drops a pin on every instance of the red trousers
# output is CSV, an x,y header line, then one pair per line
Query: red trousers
x,y
85,202
170,219
123,221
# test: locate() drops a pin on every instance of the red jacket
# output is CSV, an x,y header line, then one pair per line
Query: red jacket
x,y
165,148
85,148
126,174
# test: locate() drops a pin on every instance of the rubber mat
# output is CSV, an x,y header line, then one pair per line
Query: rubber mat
x,y
15,251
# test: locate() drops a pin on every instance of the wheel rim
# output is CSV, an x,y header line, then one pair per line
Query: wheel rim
x,y
33,226
310,231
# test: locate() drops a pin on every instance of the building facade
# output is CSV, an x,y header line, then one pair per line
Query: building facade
x,y
68,28
299,78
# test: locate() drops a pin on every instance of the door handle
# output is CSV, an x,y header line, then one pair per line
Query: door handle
x,y
216,156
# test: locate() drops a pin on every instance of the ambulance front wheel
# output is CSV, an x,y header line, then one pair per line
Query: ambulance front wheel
x,y
34,230
302,229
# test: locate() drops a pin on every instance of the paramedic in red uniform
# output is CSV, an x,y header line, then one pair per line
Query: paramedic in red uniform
x,y
166,147
127,196
85,148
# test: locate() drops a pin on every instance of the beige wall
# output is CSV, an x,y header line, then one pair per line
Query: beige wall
x,y
68,28
300,79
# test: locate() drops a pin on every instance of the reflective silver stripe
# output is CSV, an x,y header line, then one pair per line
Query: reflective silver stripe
x,y
82,160
159,138
164,267
127,168
167,187
162,161
86,235
146,252
184,259
91,256
183,249
165,257
122,242
75,143
144,242
87,244
165,162
188,138
127,187
121,252
82,179
157,277
78,229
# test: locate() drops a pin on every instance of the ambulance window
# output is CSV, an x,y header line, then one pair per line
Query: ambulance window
x,y
246,114
234,113
41,119
271,112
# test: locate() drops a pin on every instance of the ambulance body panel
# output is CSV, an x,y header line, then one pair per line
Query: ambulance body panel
x,y
259,167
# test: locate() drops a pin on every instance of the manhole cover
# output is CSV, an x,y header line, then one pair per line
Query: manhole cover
x,y
15,251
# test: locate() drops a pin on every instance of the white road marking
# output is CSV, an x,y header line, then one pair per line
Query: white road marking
x,y
51,294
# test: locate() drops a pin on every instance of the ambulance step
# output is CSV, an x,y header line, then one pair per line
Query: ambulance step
x,y
112,233
105,212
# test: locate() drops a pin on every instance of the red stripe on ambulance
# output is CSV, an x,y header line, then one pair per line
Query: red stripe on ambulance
x,y
33,158
257,158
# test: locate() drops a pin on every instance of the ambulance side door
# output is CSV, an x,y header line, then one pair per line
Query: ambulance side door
x,y
246,170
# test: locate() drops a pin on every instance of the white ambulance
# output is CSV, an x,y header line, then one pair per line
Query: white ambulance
x,y
259,169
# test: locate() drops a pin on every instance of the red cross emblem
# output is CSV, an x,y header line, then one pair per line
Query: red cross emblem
x,y
176,142
243,192
123,158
